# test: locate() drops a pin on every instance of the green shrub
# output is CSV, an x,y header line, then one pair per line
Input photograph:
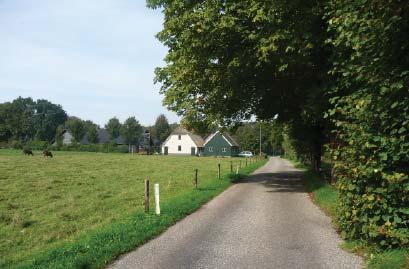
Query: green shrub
x,y
37,145
104,148
15,144
371,118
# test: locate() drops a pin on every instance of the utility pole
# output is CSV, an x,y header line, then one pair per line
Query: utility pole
x,y
260,139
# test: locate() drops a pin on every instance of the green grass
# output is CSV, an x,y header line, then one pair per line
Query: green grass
x,y
324,194
326,197
81,210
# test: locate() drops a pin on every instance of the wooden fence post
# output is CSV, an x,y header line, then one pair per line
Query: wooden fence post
x,y
157,205
196,177
246,162
146,200
218,171
240,164
237,170
231,167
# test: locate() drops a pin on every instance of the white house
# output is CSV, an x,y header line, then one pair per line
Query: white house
x,y
183,142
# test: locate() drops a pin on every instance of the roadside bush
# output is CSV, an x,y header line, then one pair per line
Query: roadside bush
x,y
371,118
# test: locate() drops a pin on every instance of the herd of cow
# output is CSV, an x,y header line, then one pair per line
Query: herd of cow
x,y
46,153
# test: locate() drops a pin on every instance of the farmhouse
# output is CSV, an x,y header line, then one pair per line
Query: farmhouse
x,y
183,142
220,144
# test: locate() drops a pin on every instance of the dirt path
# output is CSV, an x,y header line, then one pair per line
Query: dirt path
x,y
268,221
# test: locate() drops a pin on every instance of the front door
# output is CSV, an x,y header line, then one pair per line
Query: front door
x,y
193,151
166,151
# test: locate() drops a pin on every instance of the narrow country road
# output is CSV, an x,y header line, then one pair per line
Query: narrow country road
x,y
268,221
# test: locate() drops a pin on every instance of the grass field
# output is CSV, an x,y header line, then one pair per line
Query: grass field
x,y
55,212
326,196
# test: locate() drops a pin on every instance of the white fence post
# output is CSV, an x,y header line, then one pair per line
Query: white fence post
x,y
157,206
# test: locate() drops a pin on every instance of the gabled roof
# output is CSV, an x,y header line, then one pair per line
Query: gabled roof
x,y
103,137
198,140
226,137
229,138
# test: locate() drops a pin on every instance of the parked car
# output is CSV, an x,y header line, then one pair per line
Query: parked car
x,y
246,154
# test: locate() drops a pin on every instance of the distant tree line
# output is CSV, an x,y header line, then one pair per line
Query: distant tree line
x,y
25,121
248,136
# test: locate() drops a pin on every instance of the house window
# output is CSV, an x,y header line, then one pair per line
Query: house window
x,y
179,148
179,137
224,149
210,149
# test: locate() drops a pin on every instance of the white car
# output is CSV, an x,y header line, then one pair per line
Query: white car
x,y
246,154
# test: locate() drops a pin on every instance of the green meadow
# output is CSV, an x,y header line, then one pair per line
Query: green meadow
x,y
81,210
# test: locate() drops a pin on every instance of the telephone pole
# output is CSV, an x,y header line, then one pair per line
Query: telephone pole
x,y
260,139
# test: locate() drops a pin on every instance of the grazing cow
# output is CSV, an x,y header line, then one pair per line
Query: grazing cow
x,y
28,152
47,153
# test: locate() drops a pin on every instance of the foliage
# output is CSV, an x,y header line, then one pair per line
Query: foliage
x,y
131,131
91,131
113,127
87,207
46,119
231,60
371,117
77,128
159,131
248,136
24,119
104,148
16,119
327,197
162,128
289,146
37,145
59,135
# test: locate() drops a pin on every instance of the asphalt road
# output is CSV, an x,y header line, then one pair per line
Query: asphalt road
x,y
268,221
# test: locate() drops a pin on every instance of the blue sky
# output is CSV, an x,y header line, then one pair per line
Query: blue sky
x,y
94,57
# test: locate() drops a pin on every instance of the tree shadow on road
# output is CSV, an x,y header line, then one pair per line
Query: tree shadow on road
x,y
288,181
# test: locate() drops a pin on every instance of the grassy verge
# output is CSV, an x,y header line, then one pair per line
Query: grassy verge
x,y
326,197
82,210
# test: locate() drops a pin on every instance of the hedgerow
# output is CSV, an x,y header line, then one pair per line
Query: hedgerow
x,y
370,65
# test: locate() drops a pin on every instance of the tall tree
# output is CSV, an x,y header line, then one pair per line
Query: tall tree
x,y
231,60
59,135
17,119
77,128
24,119
91,131
47,118
113,127
131,131
161,128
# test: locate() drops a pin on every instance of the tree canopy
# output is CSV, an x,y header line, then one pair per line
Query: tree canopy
x,y
113,127
131,131
333,71
161,128
231,60
24,119
77,128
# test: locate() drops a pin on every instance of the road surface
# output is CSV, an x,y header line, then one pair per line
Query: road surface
x,y
268,221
